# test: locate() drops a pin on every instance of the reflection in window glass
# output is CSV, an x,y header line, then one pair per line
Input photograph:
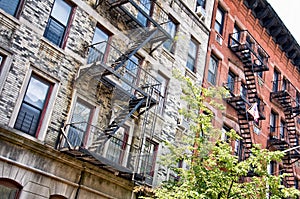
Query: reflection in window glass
x,y
192,54
33,105
171,29
96,53
146,6
10,6
58,22
8,190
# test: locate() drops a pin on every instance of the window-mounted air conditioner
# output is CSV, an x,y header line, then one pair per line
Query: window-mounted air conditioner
x,y
201,13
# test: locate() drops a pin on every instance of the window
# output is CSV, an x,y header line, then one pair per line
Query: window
x,y
58,23
284,84
212,70
34,105
163,92
282,129
98,50
231,81
273,118
12,7
237,148
201,3
146,7
236,34
243,91
130,72
118,145
149,157
9,189
171,28
192,55
2,58
225,129
275,81
80,122
297,99
219,23
271,168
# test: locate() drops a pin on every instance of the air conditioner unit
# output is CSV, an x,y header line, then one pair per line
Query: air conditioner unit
x,y
182,122
219,39
201,12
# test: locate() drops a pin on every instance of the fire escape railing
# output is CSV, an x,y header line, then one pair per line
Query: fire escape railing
x,y
245,97
285,95
80,140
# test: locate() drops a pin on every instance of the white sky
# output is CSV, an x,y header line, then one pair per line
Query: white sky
x,y
288,11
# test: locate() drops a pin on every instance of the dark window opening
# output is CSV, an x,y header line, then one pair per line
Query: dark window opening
x,y
275,81
231,81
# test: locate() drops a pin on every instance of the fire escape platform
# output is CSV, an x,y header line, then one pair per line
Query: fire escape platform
x,y
93,158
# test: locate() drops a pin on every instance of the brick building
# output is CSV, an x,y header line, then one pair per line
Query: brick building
x,y
87,96
253,55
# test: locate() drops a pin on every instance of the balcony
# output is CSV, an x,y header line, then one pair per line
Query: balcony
x,y
279,139
130,78
286,96
83,141
249,51
237,98
137,13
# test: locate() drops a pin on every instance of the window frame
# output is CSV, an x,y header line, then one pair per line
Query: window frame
x,y
231,85
276,77
63,41
43,110
107,47
163,96
219,25
171,43
6,182
202,4
18,10
212,75
193,57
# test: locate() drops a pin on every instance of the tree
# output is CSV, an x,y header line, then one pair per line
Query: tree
x,y
214,171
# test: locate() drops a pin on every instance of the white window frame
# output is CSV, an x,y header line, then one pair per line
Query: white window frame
x,y
5,67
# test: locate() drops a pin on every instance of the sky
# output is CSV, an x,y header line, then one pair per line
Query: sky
x,y
288,11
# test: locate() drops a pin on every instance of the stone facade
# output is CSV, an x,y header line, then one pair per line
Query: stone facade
x,y
43,164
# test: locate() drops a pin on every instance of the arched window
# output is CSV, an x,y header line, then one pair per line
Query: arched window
x,y
9,189
57,197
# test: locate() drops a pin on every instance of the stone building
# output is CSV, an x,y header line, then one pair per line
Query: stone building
x,y
253,55
87,96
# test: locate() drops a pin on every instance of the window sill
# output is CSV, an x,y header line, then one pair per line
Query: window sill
x,y
190,74
12,21
170,56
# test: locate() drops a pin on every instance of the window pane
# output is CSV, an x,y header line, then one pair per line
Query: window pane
x,y
171,29
9,6
32,106
28,119
36,93
54,32
146,6
61,11
219,16
8,192
201,3
96,53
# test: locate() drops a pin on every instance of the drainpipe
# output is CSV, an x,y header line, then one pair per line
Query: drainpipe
x,y
79,183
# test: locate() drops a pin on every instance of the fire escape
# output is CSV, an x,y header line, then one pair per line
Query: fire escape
x,y
132,90
286,97
254,60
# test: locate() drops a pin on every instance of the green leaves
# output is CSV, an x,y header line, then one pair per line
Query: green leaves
x,y
214,171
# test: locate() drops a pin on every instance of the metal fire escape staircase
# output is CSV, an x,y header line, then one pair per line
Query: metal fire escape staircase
x,y
132,87
252,63
285,98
